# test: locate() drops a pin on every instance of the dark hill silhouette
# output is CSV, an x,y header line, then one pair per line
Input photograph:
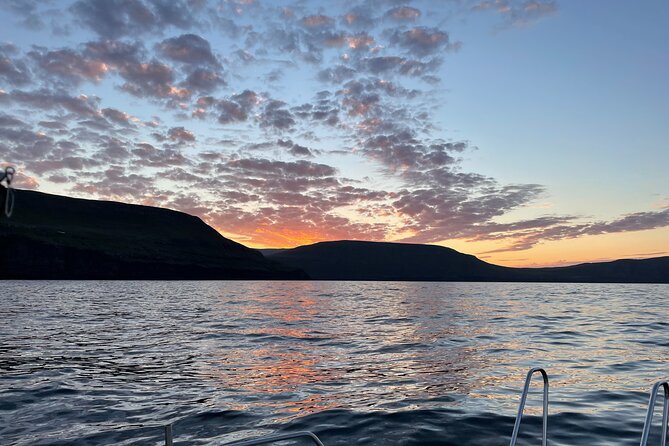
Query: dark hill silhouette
x,y
52,236
356,260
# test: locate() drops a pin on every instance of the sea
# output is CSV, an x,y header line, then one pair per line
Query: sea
x,y
357,363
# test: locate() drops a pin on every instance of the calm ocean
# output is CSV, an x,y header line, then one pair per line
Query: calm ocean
x,y
366,363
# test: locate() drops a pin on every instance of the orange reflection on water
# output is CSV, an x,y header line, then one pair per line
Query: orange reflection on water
x,y
288,366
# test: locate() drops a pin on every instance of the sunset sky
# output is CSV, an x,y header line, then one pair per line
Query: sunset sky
x,y
528,133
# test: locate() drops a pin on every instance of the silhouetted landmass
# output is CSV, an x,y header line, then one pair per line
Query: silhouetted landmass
x,y
356,260
56,237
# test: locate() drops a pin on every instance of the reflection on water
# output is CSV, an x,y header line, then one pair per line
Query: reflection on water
x,y
377,362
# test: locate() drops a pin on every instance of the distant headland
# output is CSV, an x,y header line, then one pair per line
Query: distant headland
x,y
57,237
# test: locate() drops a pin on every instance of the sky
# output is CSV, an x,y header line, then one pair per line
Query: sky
x,y
527,133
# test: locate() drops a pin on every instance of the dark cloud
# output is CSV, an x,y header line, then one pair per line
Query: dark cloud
x,y
114,52
180,135
288,171
44,99
317,21
27,10
147,155
517,13
189,49
275,115
336,74
23,144
119,18
380,65
119,183
525,236
13,70
55,125
632,222
75,163
68,65
294,148
360,17
10,121
421,41
117,116
112,149
237,107
403,13
153,80
203,81
324,110
146,78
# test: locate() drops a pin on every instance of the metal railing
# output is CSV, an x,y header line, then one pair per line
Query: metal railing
x,y
516,427
651,408
278,437
169,438
521,407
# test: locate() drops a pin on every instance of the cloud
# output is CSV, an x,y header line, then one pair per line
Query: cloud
x,y
526,237
68,65
117,116
384,65
360,17
152,79
379,61
317,21
203,81
275,115
146,154
421,41
12,70
10,121
403,13
145,77
23,181
28,12
120,18
517,13
114,52
180,135
631,222
44,99
236,108
336,74
298,170
118,183
189,49
295,149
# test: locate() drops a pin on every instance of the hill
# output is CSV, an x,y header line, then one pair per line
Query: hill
x,y
356,260
57,237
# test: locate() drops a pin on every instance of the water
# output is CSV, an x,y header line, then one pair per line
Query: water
x,y
368,363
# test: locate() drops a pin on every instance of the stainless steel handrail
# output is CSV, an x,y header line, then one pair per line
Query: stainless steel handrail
x,y
523,399
278,437
169,439
651,409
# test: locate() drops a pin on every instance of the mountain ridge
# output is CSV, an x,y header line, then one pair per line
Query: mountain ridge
x,y
58,237
362,260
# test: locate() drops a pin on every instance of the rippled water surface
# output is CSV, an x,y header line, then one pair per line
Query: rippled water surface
x,y
368,363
